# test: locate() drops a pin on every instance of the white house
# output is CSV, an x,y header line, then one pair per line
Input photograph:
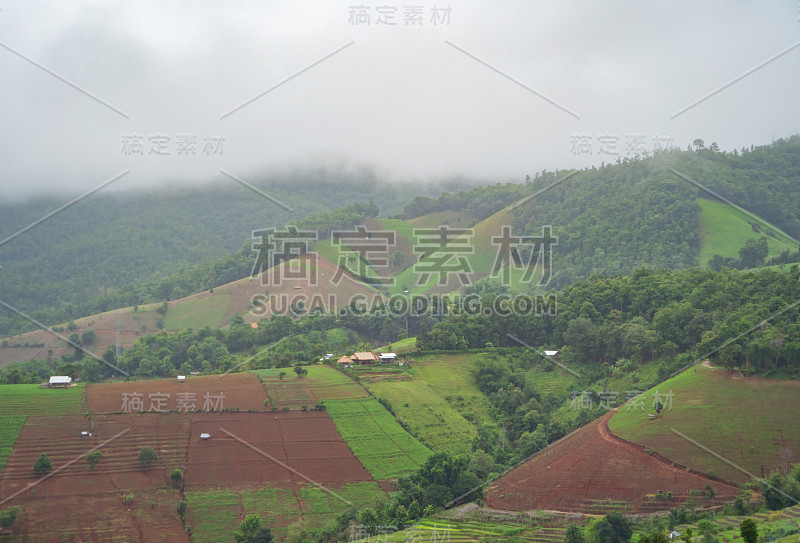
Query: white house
x,y
181,378
388,357
60,381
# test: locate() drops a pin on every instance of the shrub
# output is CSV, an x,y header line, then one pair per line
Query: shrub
x,y
94,458
43,464
147,457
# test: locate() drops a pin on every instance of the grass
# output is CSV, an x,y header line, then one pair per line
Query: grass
x,y
34,401
214,514
198,313
402,346
440,402
749,421
724,230
321,384
10,427
384,448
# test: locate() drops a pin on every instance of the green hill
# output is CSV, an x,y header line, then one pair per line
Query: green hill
x,y
724,230
739,424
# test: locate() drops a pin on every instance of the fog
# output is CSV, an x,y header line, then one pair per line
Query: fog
x,y
164,90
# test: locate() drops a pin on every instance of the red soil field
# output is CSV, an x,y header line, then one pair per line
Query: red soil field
x,y
242,391
152,517
79,504
60,439
591,465
305,441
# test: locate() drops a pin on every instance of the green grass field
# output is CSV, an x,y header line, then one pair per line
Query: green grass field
x,y
401,346
384,448
322,383
725,229
10,427
751,422
35,401
440,402
198,313
214,514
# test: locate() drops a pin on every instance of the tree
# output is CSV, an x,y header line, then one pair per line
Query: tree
x,y
8,517
753,253
300,371
574,534
94,458
250,531
613,528
749,530
176,476
147,457
88,337
182,505
281,375
43,464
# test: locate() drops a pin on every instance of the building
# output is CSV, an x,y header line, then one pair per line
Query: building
x,y
388,358
364,358
181,378
60,381
553,355
345,361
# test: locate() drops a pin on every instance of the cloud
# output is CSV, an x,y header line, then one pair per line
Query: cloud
x,y
399,99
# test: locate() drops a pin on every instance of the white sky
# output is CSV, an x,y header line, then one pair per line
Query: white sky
x,y
399,99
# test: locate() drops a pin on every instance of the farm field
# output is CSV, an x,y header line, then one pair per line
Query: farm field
x,y
592,472
10,427
438,400
60,438
213,514
307,442
152,516
754,422
35,401
385,449
321,384
241,391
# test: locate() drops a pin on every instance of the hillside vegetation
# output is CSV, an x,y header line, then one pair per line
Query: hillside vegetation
x,y
753,421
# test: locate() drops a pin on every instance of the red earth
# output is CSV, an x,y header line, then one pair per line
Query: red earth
x,y
252,449
75,503
591,471
241,391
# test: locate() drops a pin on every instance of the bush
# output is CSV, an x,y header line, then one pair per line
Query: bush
x,y
182,505
147,457
127,499
94,458
43,464
176,476
8,517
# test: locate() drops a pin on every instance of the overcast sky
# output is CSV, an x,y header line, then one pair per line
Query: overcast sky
x,y
414,101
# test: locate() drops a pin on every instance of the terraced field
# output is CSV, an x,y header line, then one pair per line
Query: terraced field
x,y
591,471
322,383
375,437
213,514
439,400
240,391
10,427
33,400
472,524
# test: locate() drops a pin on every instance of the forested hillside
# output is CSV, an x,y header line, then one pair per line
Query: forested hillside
x,y
116,249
